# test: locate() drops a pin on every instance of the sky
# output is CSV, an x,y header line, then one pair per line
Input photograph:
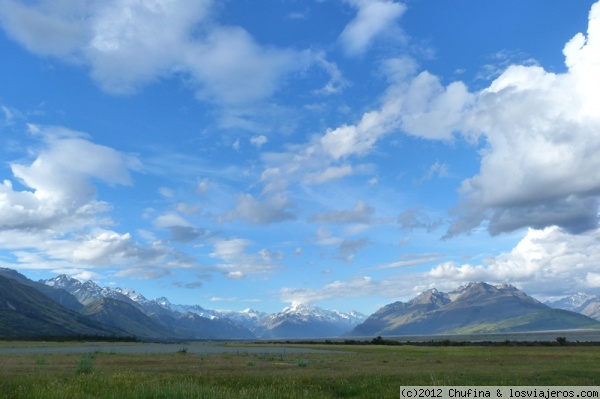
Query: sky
x,y
342,153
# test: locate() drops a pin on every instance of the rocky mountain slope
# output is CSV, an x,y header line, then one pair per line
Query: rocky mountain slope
x,y
67,306
476,307
25,312
301,321
588,305
130,311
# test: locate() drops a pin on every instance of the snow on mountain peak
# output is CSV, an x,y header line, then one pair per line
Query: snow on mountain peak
x,y
131,294
62,281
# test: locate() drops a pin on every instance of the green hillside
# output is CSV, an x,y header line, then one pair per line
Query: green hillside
x,y
544,320
27,313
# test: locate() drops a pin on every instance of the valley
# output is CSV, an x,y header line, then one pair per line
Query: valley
x,y
66,307
316,371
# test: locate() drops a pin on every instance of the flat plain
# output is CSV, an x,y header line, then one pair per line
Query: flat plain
x,y
106,370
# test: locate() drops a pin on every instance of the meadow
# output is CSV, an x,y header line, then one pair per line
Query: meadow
x,y
273,371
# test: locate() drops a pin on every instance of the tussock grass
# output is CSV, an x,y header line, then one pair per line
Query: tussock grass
x,y
363,372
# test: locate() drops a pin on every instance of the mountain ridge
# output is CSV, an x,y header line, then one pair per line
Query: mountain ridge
x,y
479,307
26,312
473,307
295,321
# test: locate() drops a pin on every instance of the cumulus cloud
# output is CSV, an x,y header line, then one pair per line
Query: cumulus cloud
x,y
232,68
59,192
133,42
415,104
541,130
374,18
51,218
546,262
48,27
130,43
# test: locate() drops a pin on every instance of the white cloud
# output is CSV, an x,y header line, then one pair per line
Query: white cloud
x,y
48,27
438,169
328,174
203,186
274,209
133,42
258,141
170,219
391,288
348,140
326,237
416,218
60,194
144,273
374,18
337,83
542,132
350,247
130,43
166,192
547,262
57,222
231,68
346,248
238,263
416,104
98,247
427,108
361,213
353,288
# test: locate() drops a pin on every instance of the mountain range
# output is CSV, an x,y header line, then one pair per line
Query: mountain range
x,y
64,306
473,308
125,312
583,303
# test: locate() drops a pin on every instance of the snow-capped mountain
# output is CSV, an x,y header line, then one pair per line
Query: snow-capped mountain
x,y
586,304
131,294
248,318
571,302
196,309
472,308
307,321
88,292
295,321
128,309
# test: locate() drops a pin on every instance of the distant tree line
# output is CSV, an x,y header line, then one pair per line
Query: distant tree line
x,y
559,341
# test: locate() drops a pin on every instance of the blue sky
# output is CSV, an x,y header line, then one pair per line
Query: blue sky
x,y
345,153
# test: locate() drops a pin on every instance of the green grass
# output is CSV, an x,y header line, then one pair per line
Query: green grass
x,y
361,372
550,319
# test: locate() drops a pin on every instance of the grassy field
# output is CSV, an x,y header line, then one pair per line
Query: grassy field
x,y
361,371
